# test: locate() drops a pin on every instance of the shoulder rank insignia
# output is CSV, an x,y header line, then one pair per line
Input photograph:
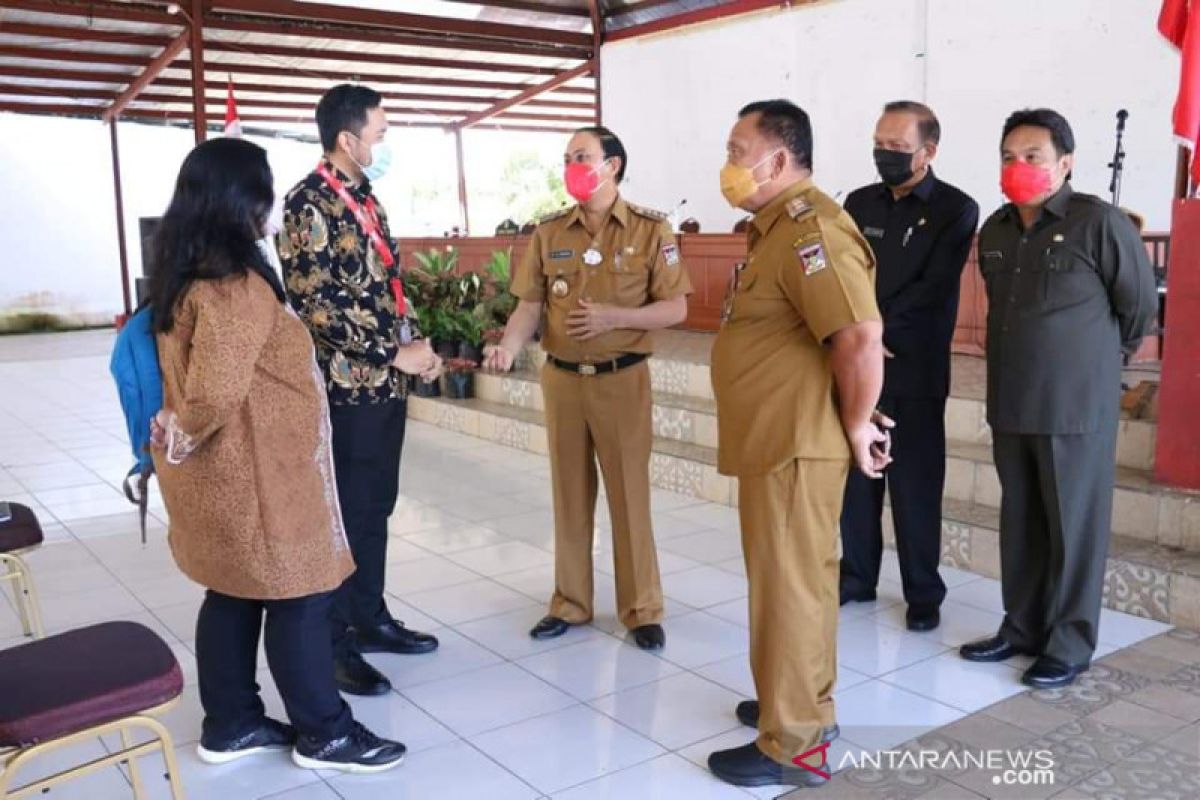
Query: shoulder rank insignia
x,y
812,257
797,207
647,212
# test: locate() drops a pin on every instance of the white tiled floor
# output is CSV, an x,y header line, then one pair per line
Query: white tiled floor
x,y
493,714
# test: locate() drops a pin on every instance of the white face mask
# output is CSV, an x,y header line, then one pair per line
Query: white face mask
x,y
381,160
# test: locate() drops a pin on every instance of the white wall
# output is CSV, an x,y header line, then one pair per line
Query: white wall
x,y
58,218
57,213
673,97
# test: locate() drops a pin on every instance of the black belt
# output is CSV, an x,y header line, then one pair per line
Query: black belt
x,y
603,368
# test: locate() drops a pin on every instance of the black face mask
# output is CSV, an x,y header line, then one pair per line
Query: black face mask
x,y
895,168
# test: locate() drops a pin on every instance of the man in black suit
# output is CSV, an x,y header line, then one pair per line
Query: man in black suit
x,y
920,229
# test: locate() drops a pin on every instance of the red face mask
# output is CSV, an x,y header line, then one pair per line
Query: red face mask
x,y
581,181
1022,182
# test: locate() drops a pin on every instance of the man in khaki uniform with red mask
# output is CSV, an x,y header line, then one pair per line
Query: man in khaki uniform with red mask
x,y
797,370
606,273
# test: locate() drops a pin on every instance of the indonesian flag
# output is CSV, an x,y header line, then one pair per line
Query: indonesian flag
x,y
1179,21
233,127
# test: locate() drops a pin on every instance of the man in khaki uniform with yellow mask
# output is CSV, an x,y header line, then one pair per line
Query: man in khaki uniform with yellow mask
x,y
797,369
606,273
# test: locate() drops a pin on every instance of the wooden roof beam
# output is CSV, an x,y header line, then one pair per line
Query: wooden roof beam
x,y
397,20
169,54
98,9
727,8
349,33
526,95
527,5
60,55
324,54
96,111
80,76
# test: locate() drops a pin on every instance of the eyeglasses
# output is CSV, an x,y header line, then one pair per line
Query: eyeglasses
x,y
731,292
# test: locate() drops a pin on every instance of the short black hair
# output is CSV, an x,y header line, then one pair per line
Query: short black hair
x,y
787,123
1051,120
344,108
928,127
610,144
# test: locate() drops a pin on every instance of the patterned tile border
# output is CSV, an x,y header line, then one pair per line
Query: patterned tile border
x,y
1140,579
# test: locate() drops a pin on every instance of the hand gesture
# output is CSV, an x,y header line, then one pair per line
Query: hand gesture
x,y
435,372
869,446
158,429
416,358
591,320
497,358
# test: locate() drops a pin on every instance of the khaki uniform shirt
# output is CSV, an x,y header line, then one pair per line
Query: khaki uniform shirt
x,y
632,261
809,274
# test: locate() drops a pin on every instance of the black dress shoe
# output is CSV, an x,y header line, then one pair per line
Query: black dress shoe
x,y
850,596
355,676
995,648
550,628
747,714
922,619
393,637
748,766
649,637
1050,673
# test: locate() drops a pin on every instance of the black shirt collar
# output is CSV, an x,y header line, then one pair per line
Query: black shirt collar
x,y
1056,204
922,191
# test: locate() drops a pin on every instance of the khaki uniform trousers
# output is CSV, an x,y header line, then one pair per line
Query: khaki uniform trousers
x,y
603,418
790,538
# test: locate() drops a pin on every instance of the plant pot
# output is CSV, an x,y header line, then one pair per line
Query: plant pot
x,y
420,388
471,352
446,350
460,385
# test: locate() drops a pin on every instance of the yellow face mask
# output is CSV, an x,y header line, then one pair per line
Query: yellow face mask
x,y
738,183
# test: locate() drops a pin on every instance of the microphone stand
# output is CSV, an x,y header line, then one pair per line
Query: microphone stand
x,y
1117,165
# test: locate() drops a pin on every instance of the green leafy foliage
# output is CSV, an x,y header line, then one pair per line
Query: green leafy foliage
x,y
456,306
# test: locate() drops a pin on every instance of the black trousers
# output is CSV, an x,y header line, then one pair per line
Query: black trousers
x,y
298,652
367,441
915,481
1055,523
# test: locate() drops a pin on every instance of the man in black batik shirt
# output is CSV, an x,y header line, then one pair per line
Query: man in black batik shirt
x,y
341,271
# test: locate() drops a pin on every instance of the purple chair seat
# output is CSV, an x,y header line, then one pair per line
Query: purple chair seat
x,y
85,677
22,531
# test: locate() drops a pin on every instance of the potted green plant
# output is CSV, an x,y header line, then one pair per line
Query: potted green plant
x,y
498,301
460,378
421,388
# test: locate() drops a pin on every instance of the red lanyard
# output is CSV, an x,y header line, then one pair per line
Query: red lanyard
x,y
368,220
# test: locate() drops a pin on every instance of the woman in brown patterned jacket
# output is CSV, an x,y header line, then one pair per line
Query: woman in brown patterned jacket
x,y
246,474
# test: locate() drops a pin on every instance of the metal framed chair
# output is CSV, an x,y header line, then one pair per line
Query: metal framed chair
x,y
18,535
114,677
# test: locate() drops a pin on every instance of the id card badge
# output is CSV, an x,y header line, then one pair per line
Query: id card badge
x,y
406,333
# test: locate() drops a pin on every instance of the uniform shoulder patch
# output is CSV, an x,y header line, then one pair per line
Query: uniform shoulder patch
x,y
650,213
671,254
553,215
798,207
811,252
